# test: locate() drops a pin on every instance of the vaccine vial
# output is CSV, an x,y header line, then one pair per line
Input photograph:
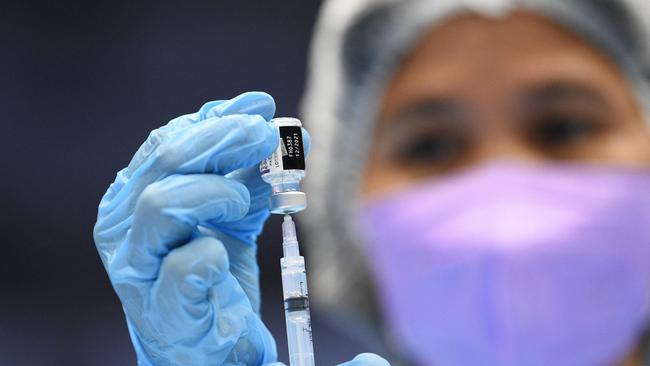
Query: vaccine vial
x,y
284,169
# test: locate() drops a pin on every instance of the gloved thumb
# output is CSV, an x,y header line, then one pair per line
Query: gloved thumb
x,y
366,359
247,103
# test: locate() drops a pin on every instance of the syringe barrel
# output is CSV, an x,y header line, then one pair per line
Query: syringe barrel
x,y
301,351
296,311
294,278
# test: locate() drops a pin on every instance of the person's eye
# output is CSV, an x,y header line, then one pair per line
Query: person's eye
x,y
563,131
442,148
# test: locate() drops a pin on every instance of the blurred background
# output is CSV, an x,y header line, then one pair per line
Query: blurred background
x,y
82,84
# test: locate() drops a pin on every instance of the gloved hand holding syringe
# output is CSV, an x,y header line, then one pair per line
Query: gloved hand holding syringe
x,y
283,170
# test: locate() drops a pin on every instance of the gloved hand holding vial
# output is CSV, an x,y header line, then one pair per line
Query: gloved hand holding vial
x,y
177,234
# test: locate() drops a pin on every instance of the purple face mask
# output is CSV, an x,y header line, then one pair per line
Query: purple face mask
x,y
510,264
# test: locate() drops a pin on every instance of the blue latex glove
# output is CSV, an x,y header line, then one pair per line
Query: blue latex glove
x,y
363,359
176,232
366,359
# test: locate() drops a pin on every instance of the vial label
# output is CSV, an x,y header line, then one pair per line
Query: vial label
x,y
288,155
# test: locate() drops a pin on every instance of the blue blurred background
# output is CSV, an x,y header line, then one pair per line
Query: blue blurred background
x,y
82,84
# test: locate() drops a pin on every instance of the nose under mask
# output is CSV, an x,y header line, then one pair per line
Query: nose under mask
x,y
510,264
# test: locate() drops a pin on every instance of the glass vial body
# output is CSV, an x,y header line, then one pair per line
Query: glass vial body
x,y
285,168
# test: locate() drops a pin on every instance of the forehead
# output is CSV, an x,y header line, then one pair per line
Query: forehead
x,y
495,55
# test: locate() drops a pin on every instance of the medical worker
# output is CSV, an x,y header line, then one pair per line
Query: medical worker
x,y
479,187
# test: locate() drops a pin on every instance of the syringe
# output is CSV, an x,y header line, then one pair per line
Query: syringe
x,y
296,298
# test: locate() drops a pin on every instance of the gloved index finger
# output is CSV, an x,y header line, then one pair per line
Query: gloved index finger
x,y
259,103
145,168
253,103
218,145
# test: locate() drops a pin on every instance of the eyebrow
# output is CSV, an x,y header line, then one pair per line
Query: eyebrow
x,y
433,108
557,92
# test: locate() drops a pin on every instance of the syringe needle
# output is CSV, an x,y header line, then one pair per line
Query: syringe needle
x,y
289,238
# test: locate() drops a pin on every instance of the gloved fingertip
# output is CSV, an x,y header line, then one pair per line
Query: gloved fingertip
x,y
306,141
208,107
367,359
269,141
259,103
